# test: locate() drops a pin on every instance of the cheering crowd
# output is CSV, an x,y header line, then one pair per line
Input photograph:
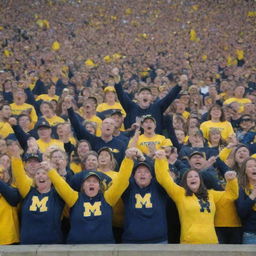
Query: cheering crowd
x,y
127,122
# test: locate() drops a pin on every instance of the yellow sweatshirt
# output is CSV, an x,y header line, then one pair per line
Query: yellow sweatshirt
x,y
196,216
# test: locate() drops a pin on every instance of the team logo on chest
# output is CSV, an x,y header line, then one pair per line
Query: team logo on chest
x,y
90,209
143,201
38,204
205,205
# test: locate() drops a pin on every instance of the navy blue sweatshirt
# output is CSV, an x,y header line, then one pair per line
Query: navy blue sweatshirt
x,y
156,109
246,212
145,213
10,194
117,146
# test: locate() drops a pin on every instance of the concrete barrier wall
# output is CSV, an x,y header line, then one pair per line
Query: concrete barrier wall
x,y
128,250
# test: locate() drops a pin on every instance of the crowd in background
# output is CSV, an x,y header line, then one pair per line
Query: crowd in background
x,y
115,93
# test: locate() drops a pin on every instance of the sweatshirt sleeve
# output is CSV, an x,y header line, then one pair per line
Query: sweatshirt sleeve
x,y
124,99
21,136
22,181
231,192
69,195
165,180
166,101
120,183
244,204
80,131
11,194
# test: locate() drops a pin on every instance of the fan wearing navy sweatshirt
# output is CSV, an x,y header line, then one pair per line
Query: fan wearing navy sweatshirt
x,y
106,139
145,200
145,104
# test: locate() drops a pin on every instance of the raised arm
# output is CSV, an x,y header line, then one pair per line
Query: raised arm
x,y
79,129
10,194
163,176
231,190
22,181
69,195
121,182
124,99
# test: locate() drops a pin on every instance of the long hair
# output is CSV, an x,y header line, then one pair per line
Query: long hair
x,y
242,176
202,192
222,117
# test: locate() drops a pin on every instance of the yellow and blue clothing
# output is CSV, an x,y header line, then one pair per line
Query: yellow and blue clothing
x,y
9,221
40,212
104,107
196,215
246,208
91,218
53,121
225,128
157,140
145,218
118,147
53,142
46,97
155,109
19,109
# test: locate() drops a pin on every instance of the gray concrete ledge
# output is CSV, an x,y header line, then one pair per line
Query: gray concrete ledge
x,y
129,249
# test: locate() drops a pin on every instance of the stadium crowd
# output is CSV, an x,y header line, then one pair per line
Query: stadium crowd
x,y
127,122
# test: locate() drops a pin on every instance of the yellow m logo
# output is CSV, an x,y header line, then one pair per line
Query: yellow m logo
x,y
39,204
92,209
140,201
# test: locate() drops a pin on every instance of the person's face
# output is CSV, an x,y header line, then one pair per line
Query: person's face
x,y
193,123
197,162
31,167
118,120
142,176
60,130
58,159
144,99
3,146
193,181
180,135
108,126
41,179
215,112
241,154
82,149
250,170
246,123
180,107
90,128
214,137
52,90
44,132
110,97
5,161
24,121
185,99
239,91
91,186
6,112
46,110
91,162
19,97
104,158
148,126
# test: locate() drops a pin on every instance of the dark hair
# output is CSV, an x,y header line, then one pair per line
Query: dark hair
x,y
242,177
222,117
145,89
202,192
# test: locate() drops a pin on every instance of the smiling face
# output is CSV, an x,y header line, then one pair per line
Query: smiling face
x,y
91,186
193,181
142,176
42,180
215,113
250,170
104,158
